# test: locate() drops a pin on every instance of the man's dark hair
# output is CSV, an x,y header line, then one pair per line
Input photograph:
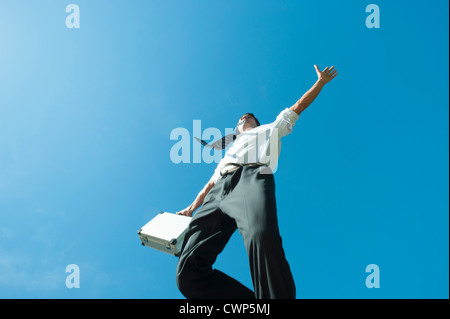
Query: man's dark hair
x,y
253,115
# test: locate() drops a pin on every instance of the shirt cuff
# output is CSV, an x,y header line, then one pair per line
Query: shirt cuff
x,y
290,115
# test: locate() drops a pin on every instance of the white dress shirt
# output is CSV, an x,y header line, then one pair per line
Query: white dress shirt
x,y
261,144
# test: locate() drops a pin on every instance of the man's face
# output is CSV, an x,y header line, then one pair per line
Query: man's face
x,y
250,122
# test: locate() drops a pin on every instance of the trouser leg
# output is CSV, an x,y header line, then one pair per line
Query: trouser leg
x,y
253,207
208,233
243,199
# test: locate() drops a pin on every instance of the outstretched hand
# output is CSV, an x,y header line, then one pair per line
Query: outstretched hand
x,y
326,75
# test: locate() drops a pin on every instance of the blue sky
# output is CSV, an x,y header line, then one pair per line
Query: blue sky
x,y
86,116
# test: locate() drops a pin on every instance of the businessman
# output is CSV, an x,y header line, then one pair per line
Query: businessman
x,y
241,195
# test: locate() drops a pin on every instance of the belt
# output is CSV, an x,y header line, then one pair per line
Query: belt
x,y
232,167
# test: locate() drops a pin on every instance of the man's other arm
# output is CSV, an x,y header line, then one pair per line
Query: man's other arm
x,y
188,211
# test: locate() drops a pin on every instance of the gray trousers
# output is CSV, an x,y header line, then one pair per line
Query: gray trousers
x,y
244,200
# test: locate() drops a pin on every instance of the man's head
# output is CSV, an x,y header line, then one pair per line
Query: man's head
x,y
249,120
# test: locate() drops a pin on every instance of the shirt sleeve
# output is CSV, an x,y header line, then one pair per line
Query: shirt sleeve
x,y
285,122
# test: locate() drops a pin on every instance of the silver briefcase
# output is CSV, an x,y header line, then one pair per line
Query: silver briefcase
x,y
165,232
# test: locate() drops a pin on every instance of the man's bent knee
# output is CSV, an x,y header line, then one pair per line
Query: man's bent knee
x,y
183,284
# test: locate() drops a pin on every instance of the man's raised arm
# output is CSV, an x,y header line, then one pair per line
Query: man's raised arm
x,y
323,77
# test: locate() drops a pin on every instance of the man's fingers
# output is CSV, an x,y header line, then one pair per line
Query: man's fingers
x,y
328,72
